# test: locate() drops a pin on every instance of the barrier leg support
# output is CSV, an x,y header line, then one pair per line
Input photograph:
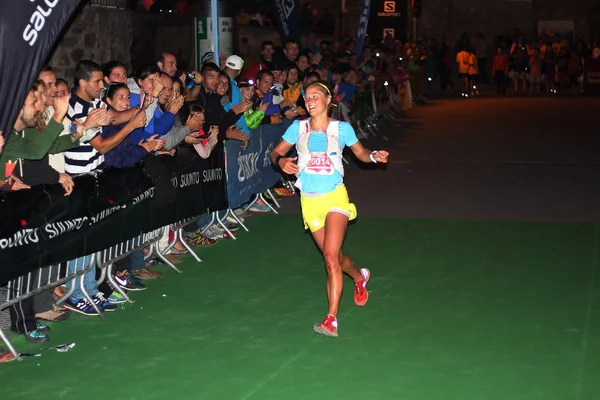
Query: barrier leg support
x,y
179,233
240,223
87,296
273,198
267,203
222,223
212,221
164,259
10,346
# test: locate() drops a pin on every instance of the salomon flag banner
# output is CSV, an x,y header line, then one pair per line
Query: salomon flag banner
x,y
28,30
362,26
287,19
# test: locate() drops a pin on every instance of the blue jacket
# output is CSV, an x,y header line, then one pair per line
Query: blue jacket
x,y
159,125
128,152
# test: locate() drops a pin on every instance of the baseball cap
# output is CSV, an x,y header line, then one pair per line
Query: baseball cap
x,y
245,83
207,56
234,62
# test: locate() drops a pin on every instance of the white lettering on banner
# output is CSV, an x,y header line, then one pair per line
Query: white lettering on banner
x,y
175,181
284,9
58,228
593,77
25,236
54,229
267,158
192,178
211,175
37,21
148,194
247,165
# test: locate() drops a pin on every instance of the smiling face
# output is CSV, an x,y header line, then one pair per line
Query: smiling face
x,y
302,62
247,92
146,83
119,100
223,86
117,75
265,84
316,100
167,91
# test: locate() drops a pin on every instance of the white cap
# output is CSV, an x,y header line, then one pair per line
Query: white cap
x,y
234,62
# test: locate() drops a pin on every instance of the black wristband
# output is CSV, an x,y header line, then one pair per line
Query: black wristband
x,y
277,160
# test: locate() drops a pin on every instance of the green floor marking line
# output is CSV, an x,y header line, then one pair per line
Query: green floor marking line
x,y
297,356
588,312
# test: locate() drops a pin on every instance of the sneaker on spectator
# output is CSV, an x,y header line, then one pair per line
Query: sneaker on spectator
x,y
203,240
233,220
284,192
6,356
213,233
103,303
268,196
81,306
145,273
260,207
41,327
54,315
117,298
231,226
240,212
129,282
36,336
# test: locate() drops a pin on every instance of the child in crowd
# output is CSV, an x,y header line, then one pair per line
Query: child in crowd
x,y
202,143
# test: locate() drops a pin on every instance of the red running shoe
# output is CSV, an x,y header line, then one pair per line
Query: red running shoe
x,y
6,356
361,295
327,327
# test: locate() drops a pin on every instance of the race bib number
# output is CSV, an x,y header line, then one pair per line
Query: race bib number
x,y
319,163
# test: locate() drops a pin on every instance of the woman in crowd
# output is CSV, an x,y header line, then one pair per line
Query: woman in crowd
x,y
127,153
326,208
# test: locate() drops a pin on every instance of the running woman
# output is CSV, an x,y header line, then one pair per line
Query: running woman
x,y
326,208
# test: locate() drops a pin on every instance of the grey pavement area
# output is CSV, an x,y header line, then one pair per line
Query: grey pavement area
x,y
514,158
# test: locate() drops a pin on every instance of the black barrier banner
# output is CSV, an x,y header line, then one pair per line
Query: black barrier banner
x,y
287,19
41,226
28,30
388,17
591,76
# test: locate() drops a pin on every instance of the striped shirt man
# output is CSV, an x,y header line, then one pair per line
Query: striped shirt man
x,y
84,158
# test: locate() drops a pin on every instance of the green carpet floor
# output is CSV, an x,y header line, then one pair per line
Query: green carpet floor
x,y
458,310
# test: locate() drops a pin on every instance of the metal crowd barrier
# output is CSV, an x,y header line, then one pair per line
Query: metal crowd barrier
x,y
36,282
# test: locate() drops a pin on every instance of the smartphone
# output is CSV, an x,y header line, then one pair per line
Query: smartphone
x,y
72,128
142,100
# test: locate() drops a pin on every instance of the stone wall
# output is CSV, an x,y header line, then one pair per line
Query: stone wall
x,y
97,34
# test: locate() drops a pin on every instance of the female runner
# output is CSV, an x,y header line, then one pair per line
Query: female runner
x,y
326,208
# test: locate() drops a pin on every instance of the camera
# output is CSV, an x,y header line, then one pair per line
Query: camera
x,y
189,80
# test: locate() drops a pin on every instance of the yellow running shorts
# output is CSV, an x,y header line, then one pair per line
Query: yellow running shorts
x,y
315,209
